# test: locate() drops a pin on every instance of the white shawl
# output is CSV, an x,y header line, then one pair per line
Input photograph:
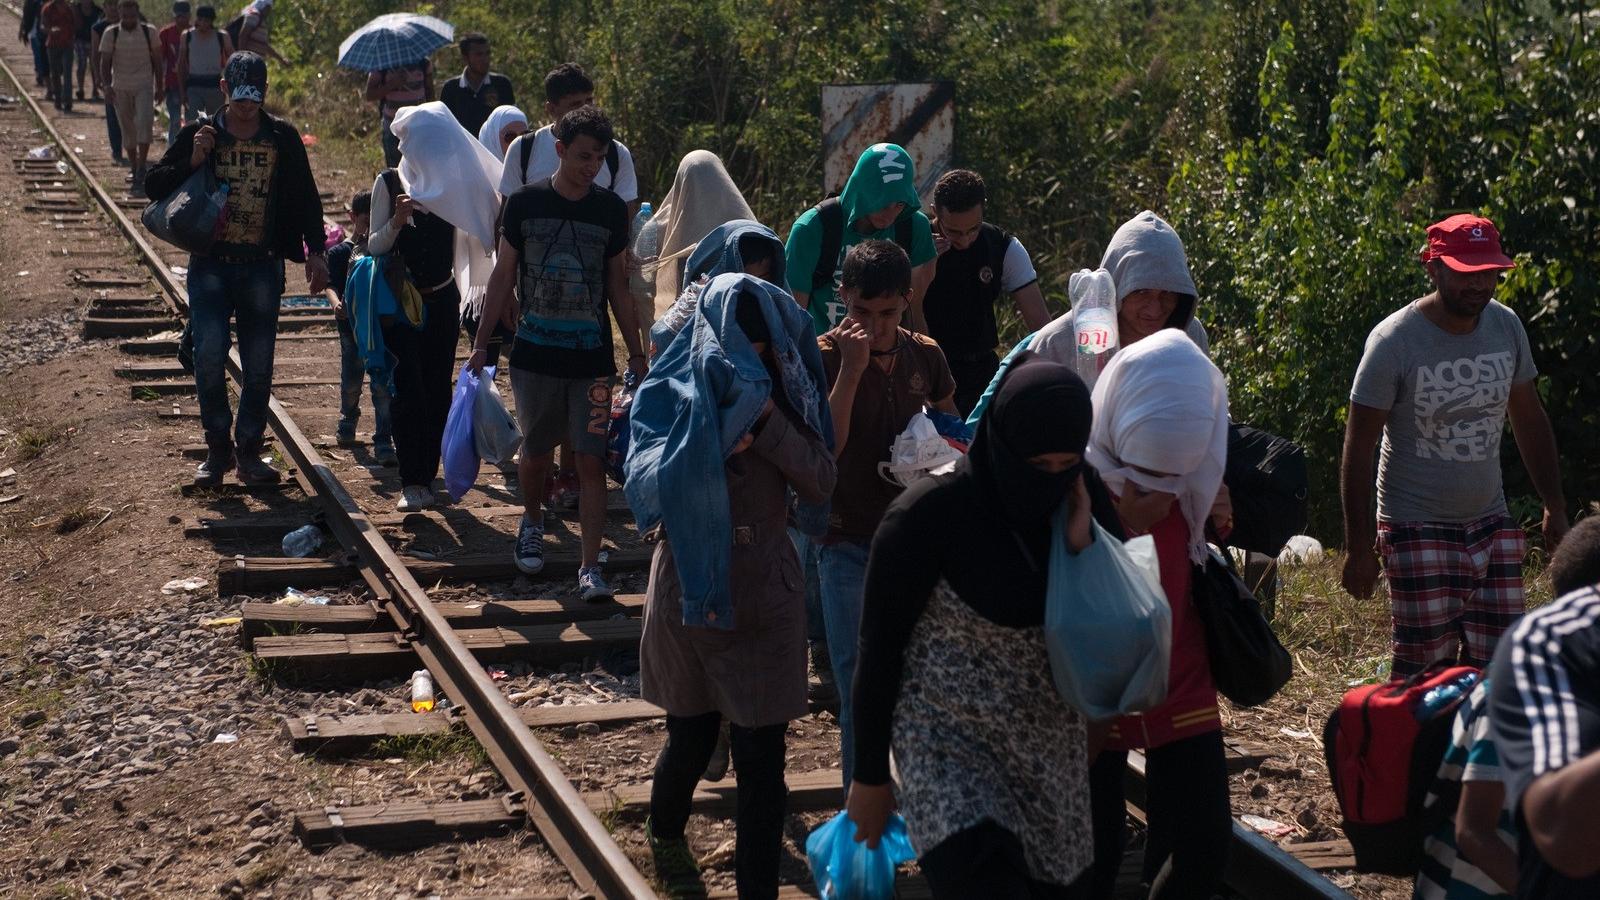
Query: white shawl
x,y
1162,405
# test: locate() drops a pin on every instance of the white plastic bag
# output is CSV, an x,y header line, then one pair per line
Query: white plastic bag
x,y
494,430
1107,626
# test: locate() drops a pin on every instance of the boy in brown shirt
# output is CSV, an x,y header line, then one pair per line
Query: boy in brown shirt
x,y
879,376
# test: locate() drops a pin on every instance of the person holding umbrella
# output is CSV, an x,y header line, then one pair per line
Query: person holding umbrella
x,y
394,49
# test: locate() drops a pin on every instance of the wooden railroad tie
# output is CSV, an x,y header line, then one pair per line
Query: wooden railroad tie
x,y
339,735
256,575
384,654
267,619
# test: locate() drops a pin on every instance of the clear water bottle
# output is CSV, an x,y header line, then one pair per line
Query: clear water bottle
x,y
421,691
646,241
1094,321
302,541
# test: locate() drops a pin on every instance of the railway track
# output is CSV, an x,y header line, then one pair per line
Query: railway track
x,y
474,617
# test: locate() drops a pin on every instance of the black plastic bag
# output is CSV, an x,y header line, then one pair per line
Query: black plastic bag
x,y
191,216
1266,479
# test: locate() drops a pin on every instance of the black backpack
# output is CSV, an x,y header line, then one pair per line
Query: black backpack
x,y
831,213
234,28
612,158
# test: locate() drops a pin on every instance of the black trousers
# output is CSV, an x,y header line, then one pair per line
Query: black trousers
x,y
424,373
972,377
986,860
1191,824
758,761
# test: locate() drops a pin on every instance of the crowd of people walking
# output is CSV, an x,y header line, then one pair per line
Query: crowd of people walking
x,y
774,380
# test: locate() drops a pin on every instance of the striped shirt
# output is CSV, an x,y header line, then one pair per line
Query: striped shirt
x,y
1545,709
1471,757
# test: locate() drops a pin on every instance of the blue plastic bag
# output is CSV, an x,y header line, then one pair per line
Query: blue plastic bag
x,y
846,870
458,449
1107,625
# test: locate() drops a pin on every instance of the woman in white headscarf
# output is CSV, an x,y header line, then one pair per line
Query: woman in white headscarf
x,y
1160,442
437,212
504,125
703,196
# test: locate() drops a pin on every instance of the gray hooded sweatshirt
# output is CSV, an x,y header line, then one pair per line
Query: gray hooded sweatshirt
x,y
1144,254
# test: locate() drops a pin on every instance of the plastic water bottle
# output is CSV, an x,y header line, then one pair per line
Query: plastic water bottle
x,y
650,246
302,541
1441,696
421,691
1094,321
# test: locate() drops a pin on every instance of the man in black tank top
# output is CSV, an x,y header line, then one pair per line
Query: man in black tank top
x,y
977,262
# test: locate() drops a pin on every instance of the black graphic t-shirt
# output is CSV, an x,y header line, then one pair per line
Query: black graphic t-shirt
x,y
564,328
246,167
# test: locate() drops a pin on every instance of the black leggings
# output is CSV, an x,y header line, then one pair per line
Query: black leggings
x,y
758,760
1186,803
986,860
424,378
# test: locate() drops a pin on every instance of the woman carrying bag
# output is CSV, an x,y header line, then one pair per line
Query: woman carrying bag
x,y
992,767
1160,442
442,187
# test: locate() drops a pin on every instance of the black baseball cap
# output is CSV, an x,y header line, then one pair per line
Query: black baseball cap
x,y
205,12
180,7
246,75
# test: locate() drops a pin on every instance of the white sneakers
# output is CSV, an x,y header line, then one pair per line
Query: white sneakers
x,y
414,497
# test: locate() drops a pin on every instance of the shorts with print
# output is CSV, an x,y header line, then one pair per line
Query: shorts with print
x,y
551,409
1453,589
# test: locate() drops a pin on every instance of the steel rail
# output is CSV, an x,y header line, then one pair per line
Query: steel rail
x,y
554,807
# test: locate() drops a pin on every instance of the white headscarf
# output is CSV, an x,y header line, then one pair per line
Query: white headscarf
x,y
495,125
703,196
448,173
1162,405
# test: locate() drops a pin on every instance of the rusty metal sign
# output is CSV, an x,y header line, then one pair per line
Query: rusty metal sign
x,y
919,116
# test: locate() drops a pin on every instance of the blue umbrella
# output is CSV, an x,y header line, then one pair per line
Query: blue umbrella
x,y
394,40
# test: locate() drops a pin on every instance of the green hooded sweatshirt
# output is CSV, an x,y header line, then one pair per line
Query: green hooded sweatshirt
x,y
883,175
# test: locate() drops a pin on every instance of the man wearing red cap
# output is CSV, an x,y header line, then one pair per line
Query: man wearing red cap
x,y
1436,382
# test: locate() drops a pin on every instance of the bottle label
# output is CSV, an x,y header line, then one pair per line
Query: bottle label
x,y
1094,330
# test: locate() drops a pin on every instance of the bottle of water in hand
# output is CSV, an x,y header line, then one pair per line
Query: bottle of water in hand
x,y
1094,321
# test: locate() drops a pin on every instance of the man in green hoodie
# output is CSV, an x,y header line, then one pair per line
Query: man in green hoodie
x,y
879,201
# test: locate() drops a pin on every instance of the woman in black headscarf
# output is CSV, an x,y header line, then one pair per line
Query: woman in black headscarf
x,y
991,765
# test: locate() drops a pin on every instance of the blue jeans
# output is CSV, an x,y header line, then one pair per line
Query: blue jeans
x,y
174,116
249,292
842,572
806,549
113,131
41,59
351,370
391,144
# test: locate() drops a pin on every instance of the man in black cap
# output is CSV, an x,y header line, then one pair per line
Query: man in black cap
x,y
274,213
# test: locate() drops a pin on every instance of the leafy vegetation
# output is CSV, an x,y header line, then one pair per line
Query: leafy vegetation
x,y
1299,147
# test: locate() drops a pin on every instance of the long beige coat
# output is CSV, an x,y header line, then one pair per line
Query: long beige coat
x,y
755,673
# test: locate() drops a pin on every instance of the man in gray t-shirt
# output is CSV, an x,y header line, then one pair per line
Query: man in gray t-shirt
x,y
1436,382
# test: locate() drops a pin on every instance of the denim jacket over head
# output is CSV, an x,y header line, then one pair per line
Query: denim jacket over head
x,y
703,394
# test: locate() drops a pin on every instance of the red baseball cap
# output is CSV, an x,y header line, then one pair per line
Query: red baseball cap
x,y
1466,243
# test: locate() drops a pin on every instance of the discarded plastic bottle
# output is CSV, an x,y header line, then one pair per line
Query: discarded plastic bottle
x,y
302,541
1441,696
1094,321
421,691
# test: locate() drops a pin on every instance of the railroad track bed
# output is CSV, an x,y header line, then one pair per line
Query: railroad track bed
x,y
315,776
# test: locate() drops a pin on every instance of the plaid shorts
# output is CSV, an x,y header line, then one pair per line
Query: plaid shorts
x,y
1453,589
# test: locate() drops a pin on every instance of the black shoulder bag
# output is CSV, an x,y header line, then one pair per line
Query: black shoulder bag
x,y
1248,663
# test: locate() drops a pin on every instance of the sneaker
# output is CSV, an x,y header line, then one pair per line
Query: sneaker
x,y
821,690
414,497
592,585
255,470
717,768
676,867
529,554
385,457
210,472
347,437
567,489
